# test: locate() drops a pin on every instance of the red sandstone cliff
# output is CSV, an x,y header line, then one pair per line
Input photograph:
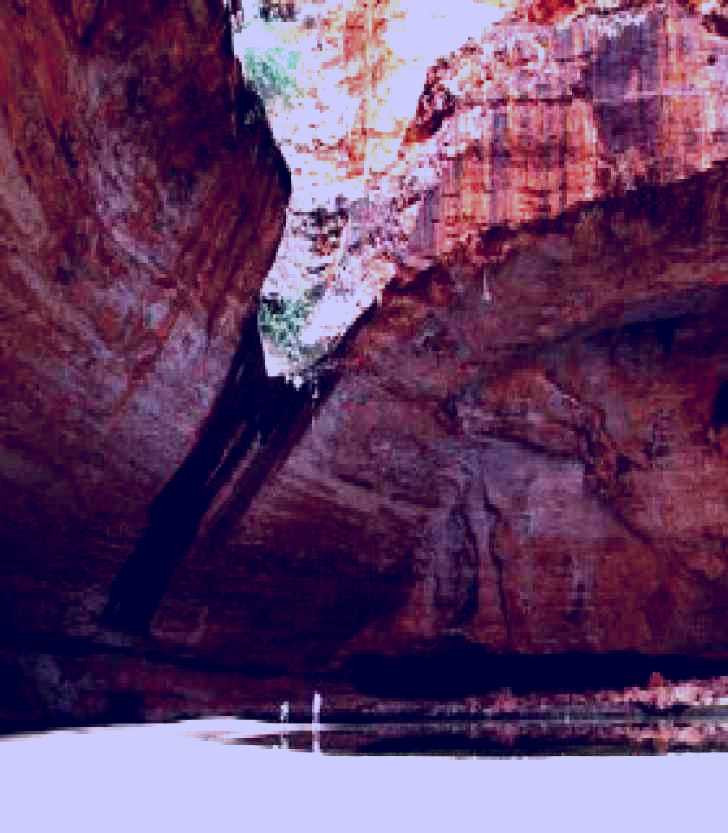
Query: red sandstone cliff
x,y
523,449
527,451
142,199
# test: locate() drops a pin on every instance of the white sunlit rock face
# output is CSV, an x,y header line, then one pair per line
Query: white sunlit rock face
x,y
359,69
414,126
537,118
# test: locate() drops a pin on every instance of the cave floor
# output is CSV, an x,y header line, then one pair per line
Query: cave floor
x,y
172,777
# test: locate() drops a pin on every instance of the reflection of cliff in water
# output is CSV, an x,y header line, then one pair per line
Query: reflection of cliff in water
x,y
488,739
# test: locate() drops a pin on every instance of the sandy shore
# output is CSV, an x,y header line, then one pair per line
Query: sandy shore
x,y
169,777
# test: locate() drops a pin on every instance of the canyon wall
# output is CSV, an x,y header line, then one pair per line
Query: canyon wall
x,y
142,199
358,71
527,449
522,448
520,119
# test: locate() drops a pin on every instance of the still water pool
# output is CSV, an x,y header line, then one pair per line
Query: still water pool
x,y
500,739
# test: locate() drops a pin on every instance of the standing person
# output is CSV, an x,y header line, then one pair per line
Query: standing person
x,y
316,708
285,711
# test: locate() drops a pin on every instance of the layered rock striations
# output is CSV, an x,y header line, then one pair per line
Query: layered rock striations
x,y
142,198
545,110
358,71
527,449
520,451
533,120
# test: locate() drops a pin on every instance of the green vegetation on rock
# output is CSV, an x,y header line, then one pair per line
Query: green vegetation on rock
x,y
271,72
281,320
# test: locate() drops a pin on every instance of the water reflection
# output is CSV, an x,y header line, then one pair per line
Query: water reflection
x,y
504,739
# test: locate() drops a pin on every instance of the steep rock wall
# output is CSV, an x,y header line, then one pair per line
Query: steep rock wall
x,y
530,478
522,451
360,67
554,105
528,450
142,200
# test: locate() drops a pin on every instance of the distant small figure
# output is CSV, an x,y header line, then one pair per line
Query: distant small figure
x,y
285,711
316,707
487,294
656,680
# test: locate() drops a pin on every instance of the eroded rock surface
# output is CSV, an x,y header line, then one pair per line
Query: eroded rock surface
x,y
142,199
520,119
528,451
521,452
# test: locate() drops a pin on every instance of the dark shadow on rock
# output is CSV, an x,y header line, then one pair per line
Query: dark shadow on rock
x,y
456,668
253,426
248,425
